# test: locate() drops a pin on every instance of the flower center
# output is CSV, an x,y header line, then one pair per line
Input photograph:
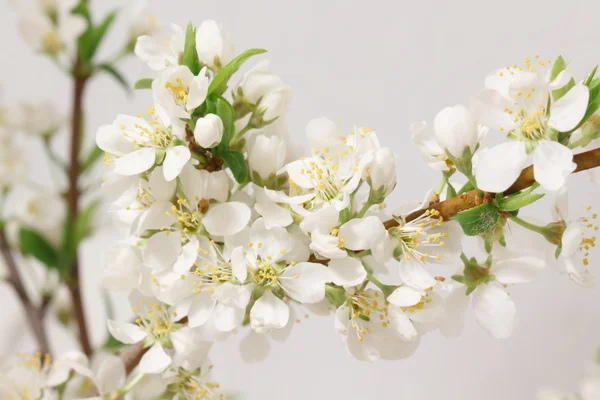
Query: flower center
x,y
417,239
190,386
367,308
265,275
188,220
51,43
179,91
210,270
155,320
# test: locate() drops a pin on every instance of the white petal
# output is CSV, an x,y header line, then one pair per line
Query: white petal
x,y
136,162
571,239
297,172
362,233
198,91
552,164
239,267
579,273
160,188
175,160
230,295
569,110
404,296
226,218
455,308
414,274
517,270
111,374
500,166
322,131
324,219
155,361
110,139
494,310
274,215
227,318
201,308
159,215
186,259
401,324
305,282
161,250
346,271
269,312
126,332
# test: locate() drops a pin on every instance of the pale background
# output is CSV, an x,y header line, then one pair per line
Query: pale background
x,y
382,64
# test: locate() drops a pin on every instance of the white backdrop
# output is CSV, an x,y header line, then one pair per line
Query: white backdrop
x,y
382,64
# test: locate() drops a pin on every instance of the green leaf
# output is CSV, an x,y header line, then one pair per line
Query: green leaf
x,y
479,220
190,54
450,191
227,115
558,93
91,158
145,83
559,66
117,75
592,108
223,76
520,200
237,164
589,78
83,10
467,187
90,40
77,231
35,245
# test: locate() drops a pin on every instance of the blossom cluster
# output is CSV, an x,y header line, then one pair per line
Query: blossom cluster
x,y
227,227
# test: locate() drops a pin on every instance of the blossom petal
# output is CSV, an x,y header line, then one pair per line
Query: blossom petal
x,y
155,361
269,312
226,218
274,215
517,270
175,159
500,166
362,233
404,296
346,271
161,250
135,162
126,332
158,216
579,273
238,264
494,310
568,111
201,308
552,164
305,282
415,275
185,260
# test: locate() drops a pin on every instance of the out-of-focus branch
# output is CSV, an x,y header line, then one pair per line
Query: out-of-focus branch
x,y
35,315
449,208
131,356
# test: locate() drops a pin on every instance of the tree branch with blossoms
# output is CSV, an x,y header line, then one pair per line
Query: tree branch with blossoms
x,y
228,227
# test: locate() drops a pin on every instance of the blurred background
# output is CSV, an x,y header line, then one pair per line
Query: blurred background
x,y
380,64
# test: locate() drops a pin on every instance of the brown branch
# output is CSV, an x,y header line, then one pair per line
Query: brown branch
x,y
80,80
449,208
35,315
131,357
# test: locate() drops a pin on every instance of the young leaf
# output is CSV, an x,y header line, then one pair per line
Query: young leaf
x,y
226,113
223,76
83,10
117,75
558,93
237,164
90,39
590,77
479,220
519,200
559,66
145,83
91,158
76,231
190,54
34,244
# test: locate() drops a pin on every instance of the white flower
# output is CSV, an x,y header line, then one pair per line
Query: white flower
x,y
372,328
430,150
517,102
123,267
215,48
267,156
154,324
51,28
380,168
135,144
105,375
142,21
192,383
41,119
265,90
179,92
13,167
159,53
269,263
456,129
209,131
42,212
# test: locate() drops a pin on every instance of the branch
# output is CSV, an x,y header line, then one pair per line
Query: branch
x,y
35,316
80,80
132,356
449,208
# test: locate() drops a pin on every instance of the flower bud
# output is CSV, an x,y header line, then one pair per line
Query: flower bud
x,y
455,129
267,156
553,232
381,171
209,131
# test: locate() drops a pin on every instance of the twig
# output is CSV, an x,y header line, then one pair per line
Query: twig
x,y
35,316
131,357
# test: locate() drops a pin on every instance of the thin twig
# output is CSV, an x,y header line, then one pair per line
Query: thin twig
x,y
35,315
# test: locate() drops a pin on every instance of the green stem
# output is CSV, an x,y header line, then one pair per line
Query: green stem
x,y
240,134
200,158
464,258
127,388
443,183
528,225
577,143
364,209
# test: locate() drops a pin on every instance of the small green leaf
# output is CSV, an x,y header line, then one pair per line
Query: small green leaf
x,y
237,164
91,39
467,187
336,295
76,232
145,83
458,278
190,54
35,245
558,93
559,66
450,191
226,113
223,76
82,10
479,220
520,200
115,74
91,158
590,77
